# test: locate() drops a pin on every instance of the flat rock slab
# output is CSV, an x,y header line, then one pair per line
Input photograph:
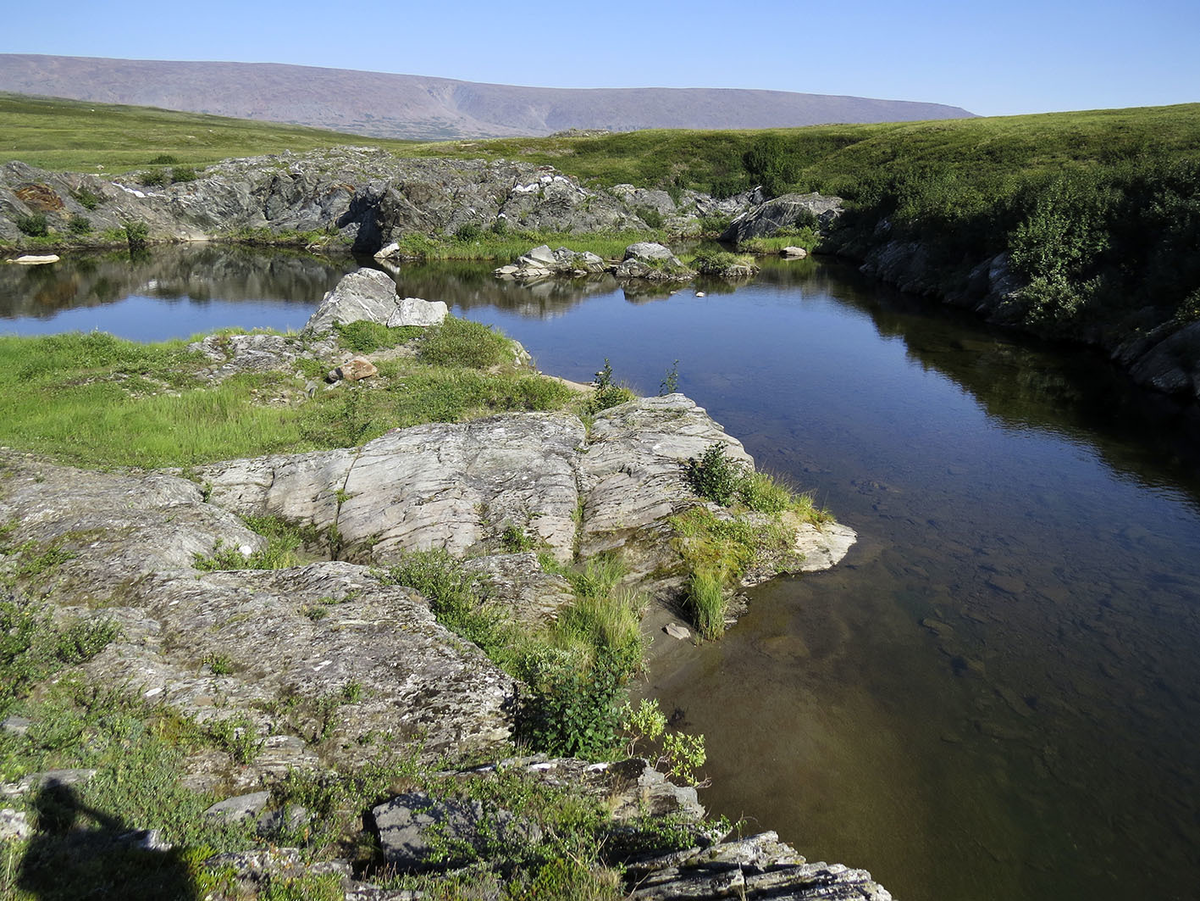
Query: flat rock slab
x,y
376,652
758,867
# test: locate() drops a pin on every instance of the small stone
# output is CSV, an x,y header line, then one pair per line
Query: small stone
x,y
677,631
14,825
242,807
357,369
16,725
795,253
245,550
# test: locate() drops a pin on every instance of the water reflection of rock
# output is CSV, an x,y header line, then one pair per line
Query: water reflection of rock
x,y
196,272
1020,381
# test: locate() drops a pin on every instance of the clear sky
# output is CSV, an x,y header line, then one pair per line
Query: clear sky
x,y
995,58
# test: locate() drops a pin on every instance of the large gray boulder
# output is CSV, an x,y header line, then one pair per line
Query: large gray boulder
x,y
1172,363
366,294
419,312
653,262
783,212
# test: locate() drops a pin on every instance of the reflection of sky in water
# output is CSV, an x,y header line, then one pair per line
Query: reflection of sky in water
x,y
157,319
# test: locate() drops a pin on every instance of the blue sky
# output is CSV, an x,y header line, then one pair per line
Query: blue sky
x,y
993,59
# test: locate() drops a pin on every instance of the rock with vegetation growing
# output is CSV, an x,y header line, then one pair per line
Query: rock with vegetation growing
x,y
783,212
367,294
653,262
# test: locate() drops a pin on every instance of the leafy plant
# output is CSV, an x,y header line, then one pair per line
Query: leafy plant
x,y
136,234
33,224
670,382
714,476
87,198
79,225
607,393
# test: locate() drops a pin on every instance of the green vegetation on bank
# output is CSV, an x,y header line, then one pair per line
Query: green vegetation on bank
x,y
718,551
1097,209
96,400
88,835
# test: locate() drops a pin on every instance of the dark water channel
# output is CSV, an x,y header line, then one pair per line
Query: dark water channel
x,y
997,694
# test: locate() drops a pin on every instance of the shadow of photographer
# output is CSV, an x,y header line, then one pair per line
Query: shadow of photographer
x,y
79,852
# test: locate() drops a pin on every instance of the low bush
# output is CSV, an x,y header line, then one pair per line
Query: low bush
x,y
607,393
461,342
136,235
34,224
79,225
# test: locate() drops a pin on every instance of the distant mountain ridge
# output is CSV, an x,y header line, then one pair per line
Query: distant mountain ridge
x,y
426,108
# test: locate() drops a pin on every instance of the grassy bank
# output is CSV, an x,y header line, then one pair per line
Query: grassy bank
x,y
95,400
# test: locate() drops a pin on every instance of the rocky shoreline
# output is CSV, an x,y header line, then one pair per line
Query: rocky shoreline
x,y
245,650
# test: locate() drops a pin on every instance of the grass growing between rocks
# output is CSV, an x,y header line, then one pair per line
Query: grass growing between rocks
x,y
718,551
95,400
576,667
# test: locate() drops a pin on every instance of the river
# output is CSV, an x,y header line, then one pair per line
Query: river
x,y
996,694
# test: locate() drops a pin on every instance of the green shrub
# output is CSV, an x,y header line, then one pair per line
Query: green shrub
x,y
607,392
153,178
461,342
87,199
652,217
79,225
574,708
184,174
164,159
136,234
34,225
714,476
468,232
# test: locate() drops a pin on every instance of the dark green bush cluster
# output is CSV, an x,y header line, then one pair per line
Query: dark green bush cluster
x,y
87,199
79,225
34,225
136,235
714,476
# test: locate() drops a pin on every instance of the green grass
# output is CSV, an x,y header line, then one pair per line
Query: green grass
x,y
95,400
81,135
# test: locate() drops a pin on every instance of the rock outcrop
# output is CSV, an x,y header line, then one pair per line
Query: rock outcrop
x,y
358,197
652,262
370,295
783,212
758,867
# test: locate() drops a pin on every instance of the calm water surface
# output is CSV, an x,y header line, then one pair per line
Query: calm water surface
x,y
996,695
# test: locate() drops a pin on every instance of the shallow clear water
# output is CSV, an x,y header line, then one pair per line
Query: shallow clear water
x,y
995,696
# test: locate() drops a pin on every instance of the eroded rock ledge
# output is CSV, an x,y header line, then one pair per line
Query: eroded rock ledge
x,y
267,649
